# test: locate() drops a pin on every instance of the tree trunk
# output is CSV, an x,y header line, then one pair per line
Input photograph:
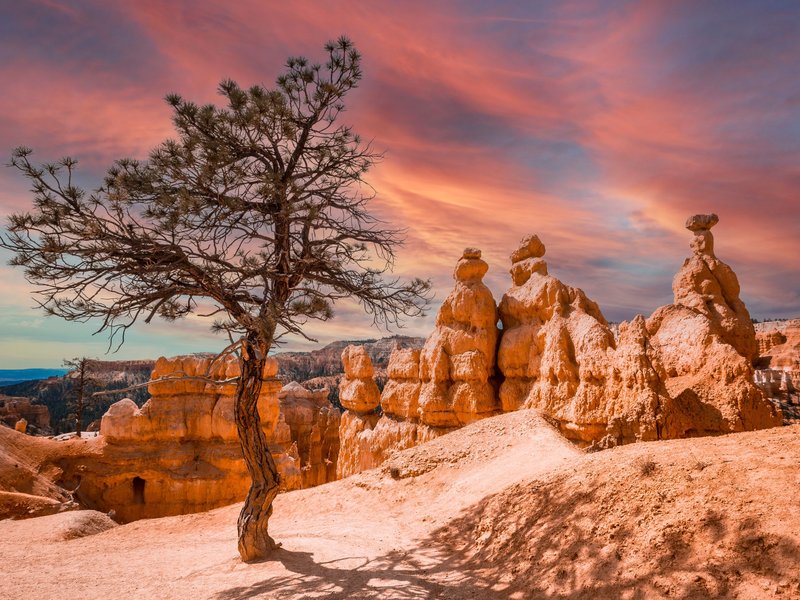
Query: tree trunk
x,y
254,541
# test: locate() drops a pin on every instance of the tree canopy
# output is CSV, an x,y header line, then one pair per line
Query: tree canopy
x,y
255,215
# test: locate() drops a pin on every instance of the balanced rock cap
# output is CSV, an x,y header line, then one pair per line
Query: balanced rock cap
x,y
701,222
530,247
471,253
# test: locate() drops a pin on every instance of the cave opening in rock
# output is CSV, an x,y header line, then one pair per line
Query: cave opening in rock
x,y
138,490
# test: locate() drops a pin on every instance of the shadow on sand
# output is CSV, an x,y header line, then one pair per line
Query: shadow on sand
x,y
573,537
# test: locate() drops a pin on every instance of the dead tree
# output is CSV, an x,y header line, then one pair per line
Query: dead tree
x,y
255,215
80,373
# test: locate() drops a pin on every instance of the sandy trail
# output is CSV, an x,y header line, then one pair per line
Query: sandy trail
x,y
360,537
503,508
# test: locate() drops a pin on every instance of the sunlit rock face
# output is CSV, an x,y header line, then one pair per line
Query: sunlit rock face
x,y
180,452
555,346
709,287
704,347
314,425
685,371
778,367
457,362
13,410
358,391
446,384
367,439
767,340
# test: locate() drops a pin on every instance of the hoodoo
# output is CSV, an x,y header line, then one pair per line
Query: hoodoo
x,y
685,371
429,392
458,358
704,346
554,349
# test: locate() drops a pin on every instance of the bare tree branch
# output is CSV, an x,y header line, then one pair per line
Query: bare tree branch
x,y
256,213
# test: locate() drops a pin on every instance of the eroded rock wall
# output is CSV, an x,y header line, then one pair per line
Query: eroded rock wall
x,y
14,409
778,368
685,371
367,439
180,452
314,426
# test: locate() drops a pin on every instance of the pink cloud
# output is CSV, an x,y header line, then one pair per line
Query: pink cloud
x,y
599,127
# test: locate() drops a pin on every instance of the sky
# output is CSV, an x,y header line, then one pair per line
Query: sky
x,y
600,126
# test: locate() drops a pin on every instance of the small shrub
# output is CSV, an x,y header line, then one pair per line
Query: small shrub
x,y
647,467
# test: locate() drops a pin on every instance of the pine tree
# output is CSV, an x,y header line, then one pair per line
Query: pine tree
x,y
256,215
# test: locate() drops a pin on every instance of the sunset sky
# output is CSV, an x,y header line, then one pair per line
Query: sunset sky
x,y
600,126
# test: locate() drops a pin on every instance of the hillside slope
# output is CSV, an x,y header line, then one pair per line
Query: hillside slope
x,y
503,508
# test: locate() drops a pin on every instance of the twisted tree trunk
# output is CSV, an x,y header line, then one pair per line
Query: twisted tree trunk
x,y
254,540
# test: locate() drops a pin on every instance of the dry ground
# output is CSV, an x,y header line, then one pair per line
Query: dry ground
x,y
504,508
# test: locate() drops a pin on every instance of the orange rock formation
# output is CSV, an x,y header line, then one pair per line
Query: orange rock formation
x,y
704,346
180,452
458,358
685,371
13,409
314,425
366,440
778,374
554,347
446,384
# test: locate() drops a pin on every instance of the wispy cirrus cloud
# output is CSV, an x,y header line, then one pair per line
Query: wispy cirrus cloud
x,y
598,125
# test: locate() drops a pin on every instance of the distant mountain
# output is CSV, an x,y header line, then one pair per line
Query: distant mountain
x,y
55,392
12,376
327,361
54,388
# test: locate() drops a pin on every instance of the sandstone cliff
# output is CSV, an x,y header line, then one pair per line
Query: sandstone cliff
x,y
778,372
180,452
314,427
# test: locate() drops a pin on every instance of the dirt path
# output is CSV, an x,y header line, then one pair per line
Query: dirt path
x,y
503,508
359,535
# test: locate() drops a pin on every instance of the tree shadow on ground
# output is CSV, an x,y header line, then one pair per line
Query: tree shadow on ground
x,y
396,575
571,537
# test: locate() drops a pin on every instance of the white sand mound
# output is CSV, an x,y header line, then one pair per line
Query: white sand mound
x,y
67,525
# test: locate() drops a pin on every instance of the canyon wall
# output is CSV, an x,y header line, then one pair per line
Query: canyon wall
x,y
180,452
778,367
367,437
553,352
314,429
